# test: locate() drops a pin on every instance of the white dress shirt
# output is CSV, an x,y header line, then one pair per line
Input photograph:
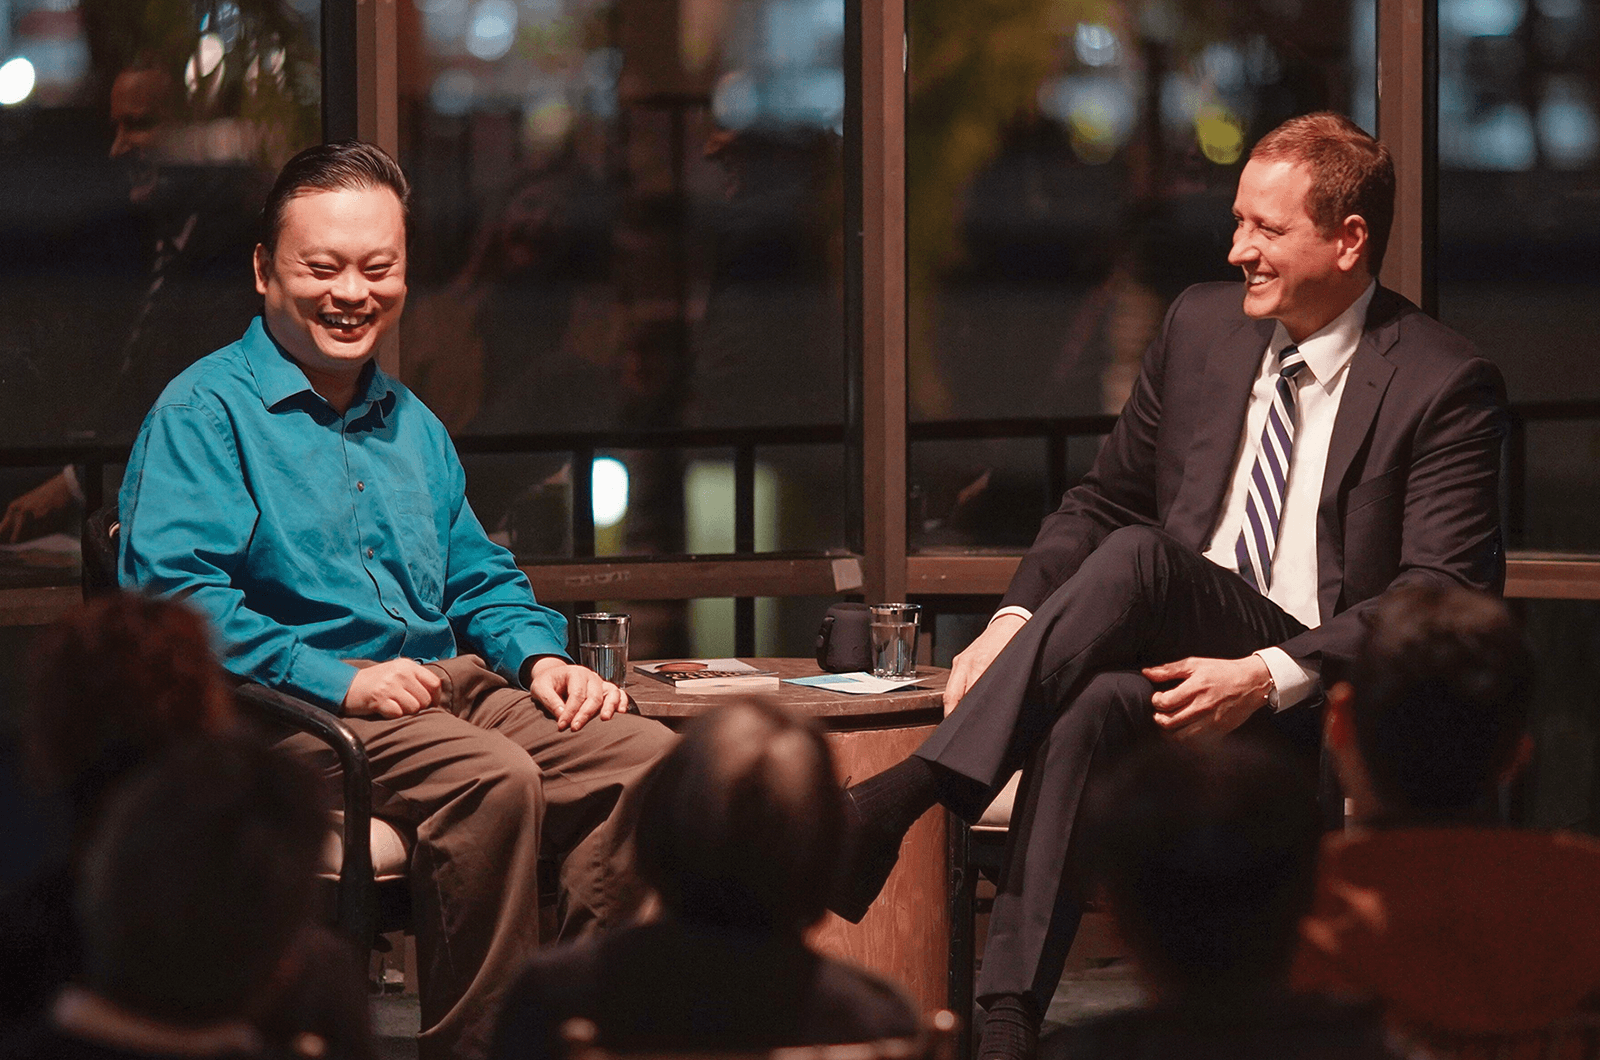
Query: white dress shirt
x,y
1294,566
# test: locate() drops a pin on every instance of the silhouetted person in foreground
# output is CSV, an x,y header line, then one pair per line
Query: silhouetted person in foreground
x,y
738,834
114,685
1456,923
111,686
1207,857
197,886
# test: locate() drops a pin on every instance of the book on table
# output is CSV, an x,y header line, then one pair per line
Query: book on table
x,y
710,676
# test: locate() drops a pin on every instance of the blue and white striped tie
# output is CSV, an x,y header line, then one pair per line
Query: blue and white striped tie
x,y
1263,509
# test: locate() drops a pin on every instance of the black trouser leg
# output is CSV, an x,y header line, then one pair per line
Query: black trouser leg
x,y
1141,598
1066,694
1037,905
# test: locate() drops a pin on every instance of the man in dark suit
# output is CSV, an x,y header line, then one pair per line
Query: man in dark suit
x,y
1278,467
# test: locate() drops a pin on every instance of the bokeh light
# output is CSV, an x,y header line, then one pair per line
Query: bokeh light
x,y
610,491
1219,134
16,81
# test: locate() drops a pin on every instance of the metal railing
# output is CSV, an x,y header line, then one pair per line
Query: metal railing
x,y
1056,433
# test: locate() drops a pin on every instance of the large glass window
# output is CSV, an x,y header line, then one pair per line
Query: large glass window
x,y
1070,169
137,138
1519,233
1518,264
629,221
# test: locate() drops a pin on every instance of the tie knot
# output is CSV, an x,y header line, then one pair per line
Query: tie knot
x,y
1290,362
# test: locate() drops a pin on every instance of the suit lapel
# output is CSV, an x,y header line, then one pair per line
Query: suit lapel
x,y
1224,395
1370,372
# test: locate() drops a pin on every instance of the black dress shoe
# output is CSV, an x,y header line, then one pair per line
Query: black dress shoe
x,y
870,855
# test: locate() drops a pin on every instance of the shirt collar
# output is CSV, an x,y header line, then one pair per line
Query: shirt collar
x,y
279,377
1330,349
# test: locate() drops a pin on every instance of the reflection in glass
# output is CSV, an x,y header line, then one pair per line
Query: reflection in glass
x,y
139,138
1070,169
628,217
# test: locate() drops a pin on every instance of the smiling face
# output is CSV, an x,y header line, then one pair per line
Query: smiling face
x,y
141,118
336,283
1294,273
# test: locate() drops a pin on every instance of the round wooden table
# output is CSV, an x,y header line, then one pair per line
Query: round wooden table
x,y
905,936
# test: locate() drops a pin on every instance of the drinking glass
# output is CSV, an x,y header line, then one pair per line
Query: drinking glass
x,y
894,639
603,644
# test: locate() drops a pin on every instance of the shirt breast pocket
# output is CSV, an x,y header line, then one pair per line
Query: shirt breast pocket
x,y
417,537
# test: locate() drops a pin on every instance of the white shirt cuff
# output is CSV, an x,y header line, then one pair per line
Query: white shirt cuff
x,y
70,475
1292,681
1021,612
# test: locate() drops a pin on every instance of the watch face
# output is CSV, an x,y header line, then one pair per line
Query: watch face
x,y
681,667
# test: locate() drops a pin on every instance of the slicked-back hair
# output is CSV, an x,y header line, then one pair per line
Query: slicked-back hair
x,y
337,166
1207,855
1440,699
740,825
1351,173
200,879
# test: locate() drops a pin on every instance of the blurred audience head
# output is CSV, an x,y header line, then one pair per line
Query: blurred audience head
x,y
1351,173
112,684
1206,855
199,881
1431,715
740,825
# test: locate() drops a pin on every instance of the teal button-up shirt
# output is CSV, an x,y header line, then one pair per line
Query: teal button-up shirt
x,y
309,538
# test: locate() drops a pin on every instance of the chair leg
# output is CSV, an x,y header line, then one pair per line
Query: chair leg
x,y
962,889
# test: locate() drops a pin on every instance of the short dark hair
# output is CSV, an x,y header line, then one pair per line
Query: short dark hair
x,y
1207,855
740,824
336,166
1440,698
1351,173
111,684
200,879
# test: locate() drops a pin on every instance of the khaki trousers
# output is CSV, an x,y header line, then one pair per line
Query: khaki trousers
x,y
489,783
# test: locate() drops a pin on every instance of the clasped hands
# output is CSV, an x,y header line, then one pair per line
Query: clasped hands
x,y
571,694
1211,696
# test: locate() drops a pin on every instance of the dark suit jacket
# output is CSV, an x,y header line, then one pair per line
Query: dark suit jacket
x,y
1411,490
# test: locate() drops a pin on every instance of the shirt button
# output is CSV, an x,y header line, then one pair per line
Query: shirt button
x,y
361,487
369,553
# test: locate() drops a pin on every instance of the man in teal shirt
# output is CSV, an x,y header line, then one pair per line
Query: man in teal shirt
x,y
316,511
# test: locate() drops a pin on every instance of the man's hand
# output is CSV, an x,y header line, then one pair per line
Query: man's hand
x,y
573,694
970,664
1212,697
392,689
38,511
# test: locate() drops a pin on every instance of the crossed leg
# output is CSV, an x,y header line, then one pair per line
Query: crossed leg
x,y
1066,699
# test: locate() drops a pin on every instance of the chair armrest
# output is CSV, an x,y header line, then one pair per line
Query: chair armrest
x,y
357,902
98,539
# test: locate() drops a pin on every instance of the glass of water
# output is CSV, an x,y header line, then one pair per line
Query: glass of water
x,y
603,644
894,639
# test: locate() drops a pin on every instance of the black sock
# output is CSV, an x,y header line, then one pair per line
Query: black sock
x,y
1010,1029
894,799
